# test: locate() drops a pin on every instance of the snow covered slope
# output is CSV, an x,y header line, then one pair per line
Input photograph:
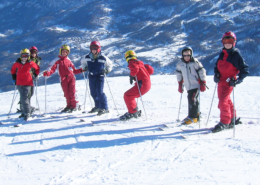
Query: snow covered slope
x,y
156,30
61,150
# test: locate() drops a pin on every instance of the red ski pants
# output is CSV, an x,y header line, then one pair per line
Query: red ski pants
x,y
225,104
133,93
68,87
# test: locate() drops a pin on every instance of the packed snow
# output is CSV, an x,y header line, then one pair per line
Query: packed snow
x,y
63,150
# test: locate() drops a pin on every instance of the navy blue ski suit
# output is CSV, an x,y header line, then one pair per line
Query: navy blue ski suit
x,y
96,77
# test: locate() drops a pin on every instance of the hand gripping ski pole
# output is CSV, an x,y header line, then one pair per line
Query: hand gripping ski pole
x,y
14,97
111,93
140,96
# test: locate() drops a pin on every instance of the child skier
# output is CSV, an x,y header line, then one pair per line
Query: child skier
x,y
140,72
21,74
98,66
229,64
33,57
191,72
68,81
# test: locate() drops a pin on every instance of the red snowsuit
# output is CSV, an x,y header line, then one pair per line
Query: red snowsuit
x,y
67,79
142,72
229,64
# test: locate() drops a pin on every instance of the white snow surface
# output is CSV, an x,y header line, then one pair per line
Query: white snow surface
x,y
60,150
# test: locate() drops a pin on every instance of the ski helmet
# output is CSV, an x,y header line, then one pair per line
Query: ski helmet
x,y
25,52
187,48
65,47
229,35
33,49
130,55
95,45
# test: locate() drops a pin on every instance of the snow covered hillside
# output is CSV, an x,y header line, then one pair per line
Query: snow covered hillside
x,y
63,150
156,30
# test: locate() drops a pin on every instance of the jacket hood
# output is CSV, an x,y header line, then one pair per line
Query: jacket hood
x,y
187,48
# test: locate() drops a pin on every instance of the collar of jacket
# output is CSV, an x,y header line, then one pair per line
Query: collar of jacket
x,y
229,50
92,57
62,57
20,61
191,60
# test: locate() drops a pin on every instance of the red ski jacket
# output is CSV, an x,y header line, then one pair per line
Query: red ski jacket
x,y
64,65
141,70
22,72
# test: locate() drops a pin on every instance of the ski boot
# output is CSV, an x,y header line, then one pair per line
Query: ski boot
x,y
93,110
66,109
219,127
26,117
102,111
231,125
128,115
188,121
74,109
21,116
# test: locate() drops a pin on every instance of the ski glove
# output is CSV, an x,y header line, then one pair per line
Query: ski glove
x,y
85,69
216,78
202,86
180,86
35,77
132,78
104,71
234,82
46,73
14,82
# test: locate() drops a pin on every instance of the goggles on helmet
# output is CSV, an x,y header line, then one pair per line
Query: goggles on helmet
x,y
24,56
228,41
94,47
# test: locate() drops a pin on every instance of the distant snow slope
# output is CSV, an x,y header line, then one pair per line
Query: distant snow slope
x,y
60,150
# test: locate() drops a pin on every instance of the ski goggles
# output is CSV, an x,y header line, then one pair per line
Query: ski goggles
x,y
93,47
228,41
186,56
24,56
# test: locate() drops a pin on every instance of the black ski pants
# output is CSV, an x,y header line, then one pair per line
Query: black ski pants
x,y
193,103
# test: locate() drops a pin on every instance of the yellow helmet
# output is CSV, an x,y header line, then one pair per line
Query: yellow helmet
x,y
25,52
130,55
65,47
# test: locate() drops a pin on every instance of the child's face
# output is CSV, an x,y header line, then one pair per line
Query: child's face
x,y
64,53
94,51
228,42
228,46
24,59
33,55
186,55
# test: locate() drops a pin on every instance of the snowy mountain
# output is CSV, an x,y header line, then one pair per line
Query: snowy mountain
x,y
60,150
156,30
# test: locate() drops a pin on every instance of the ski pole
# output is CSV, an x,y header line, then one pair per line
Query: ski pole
x,y
211,104
140,96
45,95
111,93
234,112
199,106
37,102
86,92
179,107
14,97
